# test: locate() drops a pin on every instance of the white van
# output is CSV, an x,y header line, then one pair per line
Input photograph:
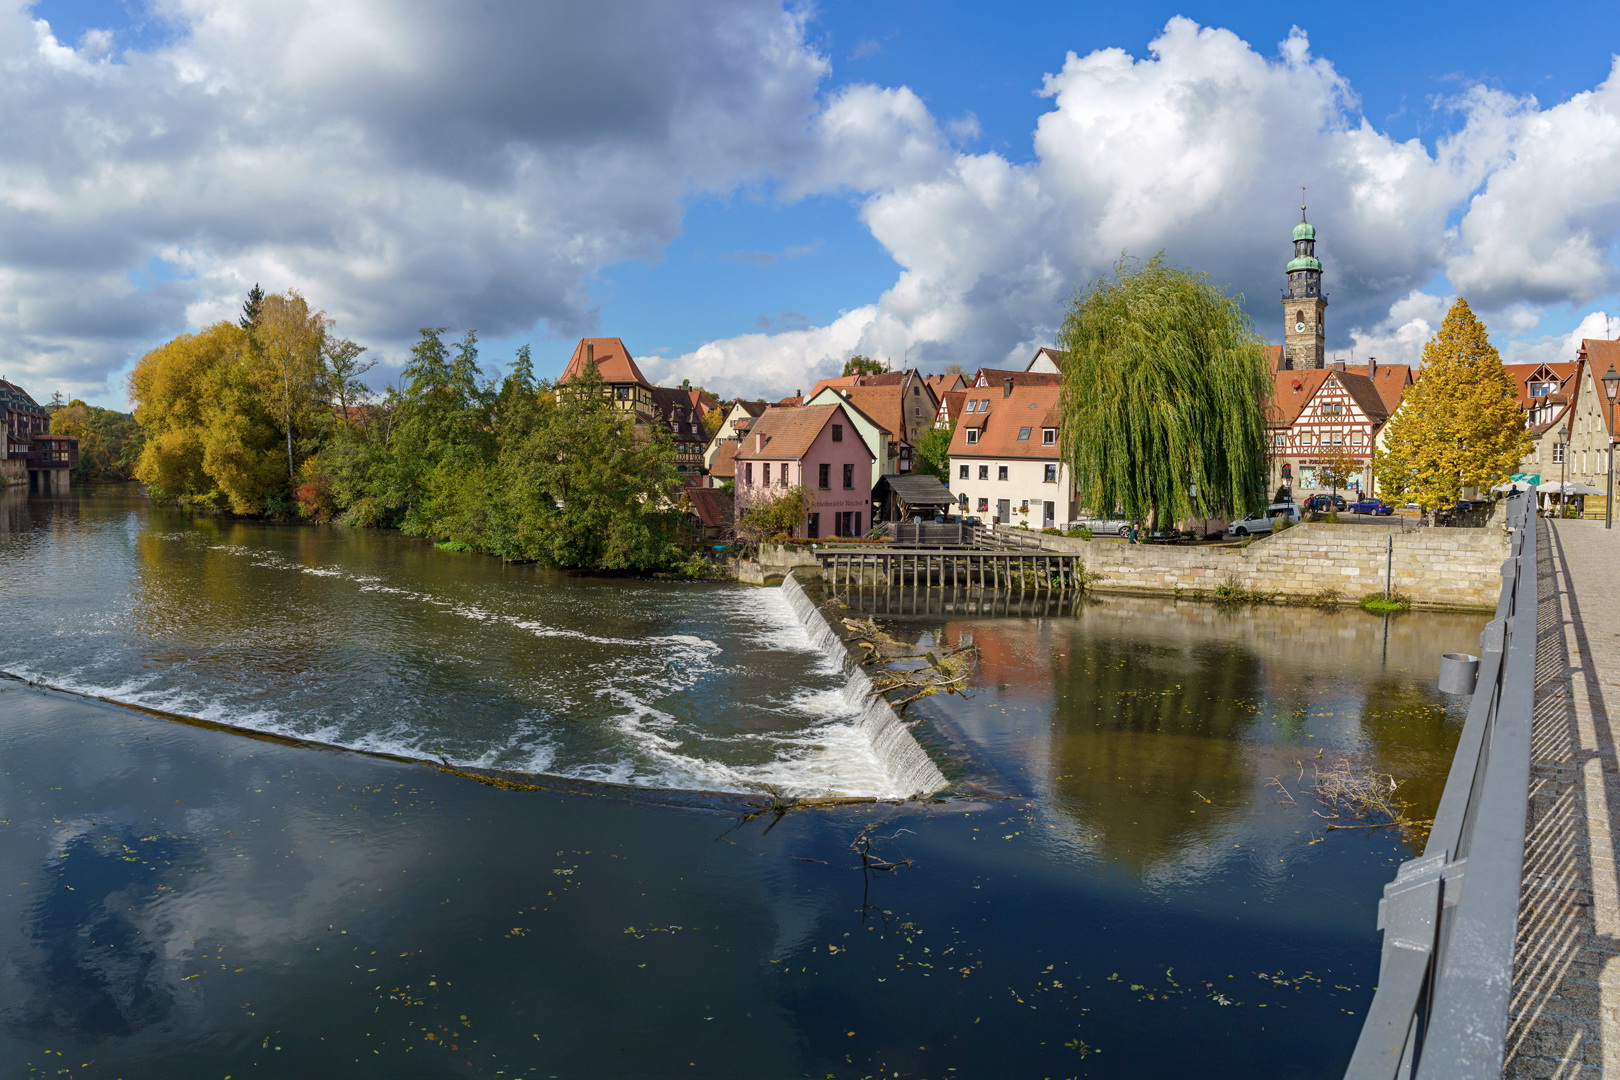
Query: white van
x,y
1265,524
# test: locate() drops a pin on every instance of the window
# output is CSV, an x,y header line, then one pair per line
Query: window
x,y
1001,472
916,389
824,475
1051,474
984,472
1332,408
767,474
984,506
1355,438
849,476
962,500
917,410
814,529
962,472
1048,436
623,392
1558,453
784,480
1281,439
972,436
838,433
1023,434
748,473
1338,438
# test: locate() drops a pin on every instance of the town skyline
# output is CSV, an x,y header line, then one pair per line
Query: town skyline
x,y
925,194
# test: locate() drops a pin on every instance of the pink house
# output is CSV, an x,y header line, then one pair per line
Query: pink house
x,y
816,446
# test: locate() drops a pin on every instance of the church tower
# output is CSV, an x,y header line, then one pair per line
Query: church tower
x,y
1304,306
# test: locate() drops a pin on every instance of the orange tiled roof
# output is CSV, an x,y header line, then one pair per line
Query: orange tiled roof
x,y
613,362
1522,375
1600,356
999,423
787,434
941,385
724,465
993,378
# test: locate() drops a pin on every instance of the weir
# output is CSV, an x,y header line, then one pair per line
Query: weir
x,y
892,741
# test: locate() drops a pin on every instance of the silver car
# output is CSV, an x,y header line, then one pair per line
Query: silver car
x,y
1265,524
1100,526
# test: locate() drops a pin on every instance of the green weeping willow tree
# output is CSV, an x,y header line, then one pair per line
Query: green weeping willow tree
x,y
1164,397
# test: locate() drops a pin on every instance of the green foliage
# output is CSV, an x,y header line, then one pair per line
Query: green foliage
x,y
1379,604
1460,426
109,441
1164,396
934,452
1281,523
1082,533
451,545
776,516
862,365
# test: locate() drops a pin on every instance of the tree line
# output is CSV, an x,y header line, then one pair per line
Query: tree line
x,y
269,415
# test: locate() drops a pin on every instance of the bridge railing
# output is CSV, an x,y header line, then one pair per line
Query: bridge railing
x,y
1450,916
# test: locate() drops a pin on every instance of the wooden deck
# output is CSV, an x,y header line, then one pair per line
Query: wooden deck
x,y
981,568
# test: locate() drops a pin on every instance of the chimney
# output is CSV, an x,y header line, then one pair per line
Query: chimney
x,y
590,353
1006,387
1337,365
1372,367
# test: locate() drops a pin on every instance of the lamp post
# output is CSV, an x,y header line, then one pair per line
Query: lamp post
x,y
1562,445
1611,384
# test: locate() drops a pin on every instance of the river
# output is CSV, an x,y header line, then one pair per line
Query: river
x,y
1124,877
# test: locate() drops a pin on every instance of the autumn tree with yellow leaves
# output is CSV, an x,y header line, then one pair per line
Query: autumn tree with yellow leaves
x,y
1459,427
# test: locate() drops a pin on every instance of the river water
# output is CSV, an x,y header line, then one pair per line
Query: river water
x,y
1125,878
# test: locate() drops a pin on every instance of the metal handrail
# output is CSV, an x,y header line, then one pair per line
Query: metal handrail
x,y
1450,916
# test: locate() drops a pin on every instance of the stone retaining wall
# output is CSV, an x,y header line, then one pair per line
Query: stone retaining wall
x,y
1453,568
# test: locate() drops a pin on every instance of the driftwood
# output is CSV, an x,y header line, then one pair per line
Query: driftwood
x,y
947,669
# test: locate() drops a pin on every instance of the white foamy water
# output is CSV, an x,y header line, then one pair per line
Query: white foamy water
x,y
372,643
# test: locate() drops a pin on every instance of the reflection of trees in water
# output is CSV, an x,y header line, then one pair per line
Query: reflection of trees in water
x,y
1138,727
97,972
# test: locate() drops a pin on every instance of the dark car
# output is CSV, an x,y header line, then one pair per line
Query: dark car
x,y
1321,504
1371,506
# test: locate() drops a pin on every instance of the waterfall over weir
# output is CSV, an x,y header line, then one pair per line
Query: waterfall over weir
x,y
902,756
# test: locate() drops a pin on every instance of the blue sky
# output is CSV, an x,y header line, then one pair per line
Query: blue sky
x,y
747,193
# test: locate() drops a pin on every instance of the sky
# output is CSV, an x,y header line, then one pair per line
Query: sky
x,y
748,192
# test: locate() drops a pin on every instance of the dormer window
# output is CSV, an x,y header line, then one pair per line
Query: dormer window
x,y
972,436
1049,436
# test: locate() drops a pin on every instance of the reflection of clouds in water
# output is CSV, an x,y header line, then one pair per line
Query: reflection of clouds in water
x,y
95,969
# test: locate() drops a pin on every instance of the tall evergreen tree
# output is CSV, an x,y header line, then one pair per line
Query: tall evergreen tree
x,y
1460,426
1163,397
252,308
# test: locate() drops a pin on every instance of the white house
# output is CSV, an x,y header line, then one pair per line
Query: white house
x,y
1005,457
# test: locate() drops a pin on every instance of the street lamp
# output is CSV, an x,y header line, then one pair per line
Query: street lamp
x,y
1562,446
1611,384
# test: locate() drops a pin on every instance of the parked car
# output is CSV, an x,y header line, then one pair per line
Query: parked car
x,y
1100,526
1322,503
1371,506
1265,524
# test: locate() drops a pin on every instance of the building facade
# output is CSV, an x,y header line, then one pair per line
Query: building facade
x,y
1304,304
33,456
815,446
679,411
1006,467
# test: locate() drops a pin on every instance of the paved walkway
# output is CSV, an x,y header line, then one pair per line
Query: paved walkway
x,y
1565,1014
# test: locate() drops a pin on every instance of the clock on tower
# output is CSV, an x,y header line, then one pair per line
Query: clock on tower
x,y
1304,305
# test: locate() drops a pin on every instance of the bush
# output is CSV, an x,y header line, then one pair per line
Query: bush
x,y
1282,523
1379,604
1082,533
1049,531
367,513
451,545
1331,517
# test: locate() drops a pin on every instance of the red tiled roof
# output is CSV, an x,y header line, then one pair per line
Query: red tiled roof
x,y
941,385
1274,357
993,377
1032,407
953,403
1600,356
613,362
789,402
710,506
1293,390
724,465
789,433
1522,375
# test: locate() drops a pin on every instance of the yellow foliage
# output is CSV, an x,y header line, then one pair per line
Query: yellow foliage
x,y
1459,426
211,438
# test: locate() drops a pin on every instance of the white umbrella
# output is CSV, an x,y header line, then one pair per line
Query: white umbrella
x,y
1572,487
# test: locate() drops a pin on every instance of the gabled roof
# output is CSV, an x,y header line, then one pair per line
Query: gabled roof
x,y
750,408
1391,380
1033,407
613,362
1522,375
14,398
883,405
1058,357
992,377
788,434
789,402
710,506
724,465
940,385
1293,390
952,403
